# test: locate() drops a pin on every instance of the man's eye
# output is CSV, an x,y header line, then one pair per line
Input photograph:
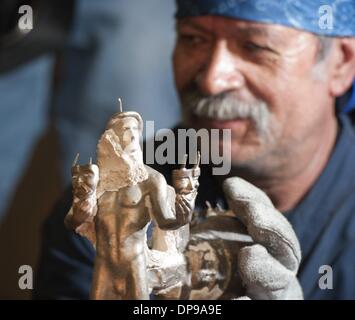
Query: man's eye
x,y
191,39
251,46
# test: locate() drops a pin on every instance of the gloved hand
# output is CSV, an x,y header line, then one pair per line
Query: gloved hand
x,y
267,268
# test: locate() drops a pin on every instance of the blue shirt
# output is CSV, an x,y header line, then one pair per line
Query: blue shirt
x,y
324,222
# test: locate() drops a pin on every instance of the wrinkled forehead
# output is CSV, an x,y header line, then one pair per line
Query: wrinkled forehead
x,y
227,27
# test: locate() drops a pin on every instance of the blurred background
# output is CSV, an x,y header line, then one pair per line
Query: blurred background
x,y
59,84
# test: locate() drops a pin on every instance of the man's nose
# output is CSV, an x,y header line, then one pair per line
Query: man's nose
x,y
222,72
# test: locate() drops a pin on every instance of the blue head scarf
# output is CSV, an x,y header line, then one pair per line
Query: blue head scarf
x,y
323,17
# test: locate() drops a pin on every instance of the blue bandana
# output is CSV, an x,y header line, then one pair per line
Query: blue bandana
x,y
323,17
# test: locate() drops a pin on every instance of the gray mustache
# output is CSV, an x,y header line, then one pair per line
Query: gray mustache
x,y
226,106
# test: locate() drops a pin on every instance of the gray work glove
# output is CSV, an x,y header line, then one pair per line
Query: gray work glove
x,y
267,268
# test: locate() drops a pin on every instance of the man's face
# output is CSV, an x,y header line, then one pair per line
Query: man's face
x,y
128,132
261,81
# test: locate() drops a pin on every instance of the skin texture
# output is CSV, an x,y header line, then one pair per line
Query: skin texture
x,y
278,66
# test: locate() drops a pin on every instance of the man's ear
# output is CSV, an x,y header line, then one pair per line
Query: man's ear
x,y
343,61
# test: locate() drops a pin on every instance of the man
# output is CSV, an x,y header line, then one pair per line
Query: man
x,y
113,213
271,73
